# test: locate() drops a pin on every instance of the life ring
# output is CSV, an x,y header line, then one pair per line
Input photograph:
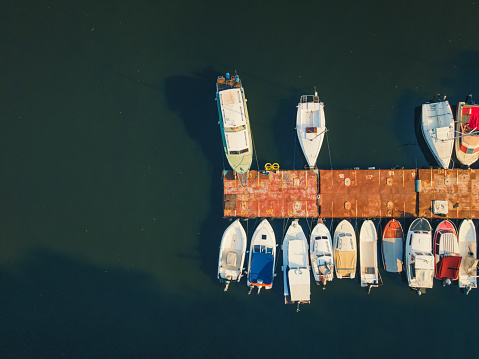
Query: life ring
x,y
267,167
275,166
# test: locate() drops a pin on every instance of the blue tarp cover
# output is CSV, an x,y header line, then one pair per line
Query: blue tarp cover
x,y
261,268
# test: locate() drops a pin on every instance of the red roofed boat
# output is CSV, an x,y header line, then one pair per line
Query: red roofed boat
x,y
467,132
447,259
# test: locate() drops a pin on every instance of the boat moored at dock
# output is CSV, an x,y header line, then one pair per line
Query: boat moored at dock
x,y
468,252
262,255
235,125
321,253
447,259
310,126
392,247
467,132
368,258
438,129
419,259
345,250
232,254
296,275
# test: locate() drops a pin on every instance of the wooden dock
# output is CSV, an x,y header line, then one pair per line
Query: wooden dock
x,y
353,194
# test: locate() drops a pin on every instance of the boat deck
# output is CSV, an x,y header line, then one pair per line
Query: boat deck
x,y
352,194
223,83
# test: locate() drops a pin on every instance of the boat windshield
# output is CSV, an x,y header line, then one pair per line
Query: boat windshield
x,y
262,249
239,152
309,98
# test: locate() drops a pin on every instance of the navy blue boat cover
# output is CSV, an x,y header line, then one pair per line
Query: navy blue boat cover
x,y
261,268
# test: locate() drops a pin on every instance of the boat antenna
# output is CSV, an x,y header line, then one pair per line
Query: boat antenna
x,y
315,92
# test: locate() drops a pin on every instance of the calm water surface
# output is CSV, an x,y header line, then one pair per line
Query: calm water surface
x,y
111,193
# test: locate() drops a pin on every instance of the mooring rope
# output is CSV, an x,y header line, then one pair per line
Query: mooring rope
x,y
329,151
294,150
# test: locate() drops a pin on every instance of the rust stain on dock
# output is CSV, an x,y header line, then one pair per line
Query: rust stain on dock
x,y
275,194
352,193
460,188
367,193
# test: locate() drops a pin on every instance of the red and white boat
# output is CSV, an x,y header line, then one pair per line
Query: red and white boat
x,y
392,247
447,259
467,132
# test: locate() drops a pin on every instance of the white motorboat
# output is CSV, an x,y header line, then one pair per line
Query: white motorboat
x,y
310,126
392,246
232,253
262,255
447,259
438,130
321,254
345,250
296,266
419,259
467,132
368,255
235,126
468,251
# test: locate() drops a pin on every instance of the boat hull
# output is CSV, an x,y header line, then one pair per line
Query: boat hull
x,y
368,261
392,247
262,257
296,276
438,130
234,123
466,147
345,250
419,260
232,253
446,252
468,251
321,254
310,128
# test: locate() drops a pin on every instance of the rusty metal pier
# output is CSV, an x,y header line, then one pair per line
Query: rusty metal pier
x,y
374,193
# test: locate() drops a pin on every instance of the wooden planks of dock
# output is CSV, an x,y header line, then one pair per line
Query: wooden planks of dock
x,y
353,193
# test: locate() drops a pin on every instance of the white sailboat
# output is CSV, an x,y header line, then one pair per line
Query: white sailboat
x,y
321,254
368,257
438,130
345,250
296,275
232,253
419,259
262,255
468,251
310,126
235,126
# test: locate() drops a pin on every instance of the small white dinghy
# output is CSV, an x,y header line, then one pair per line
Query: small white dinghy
x,y
392,246
321,254
345,250
368,255
296,275
310,126
262,255
468,252
438,130
232,253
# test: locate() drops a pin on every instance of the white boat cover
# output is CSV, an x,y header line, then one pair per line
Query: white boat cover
x,y
299,284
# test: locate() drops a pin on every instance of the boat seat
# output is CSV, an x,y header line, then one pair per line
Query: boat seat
x,y
369,270
231,259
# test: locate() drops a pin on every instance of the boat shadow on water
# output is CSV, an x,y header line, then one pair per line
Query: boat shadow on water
x,y
193,98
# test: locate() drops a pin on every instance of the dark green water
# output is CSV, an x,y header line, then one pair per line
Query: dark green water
x,y
110,207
